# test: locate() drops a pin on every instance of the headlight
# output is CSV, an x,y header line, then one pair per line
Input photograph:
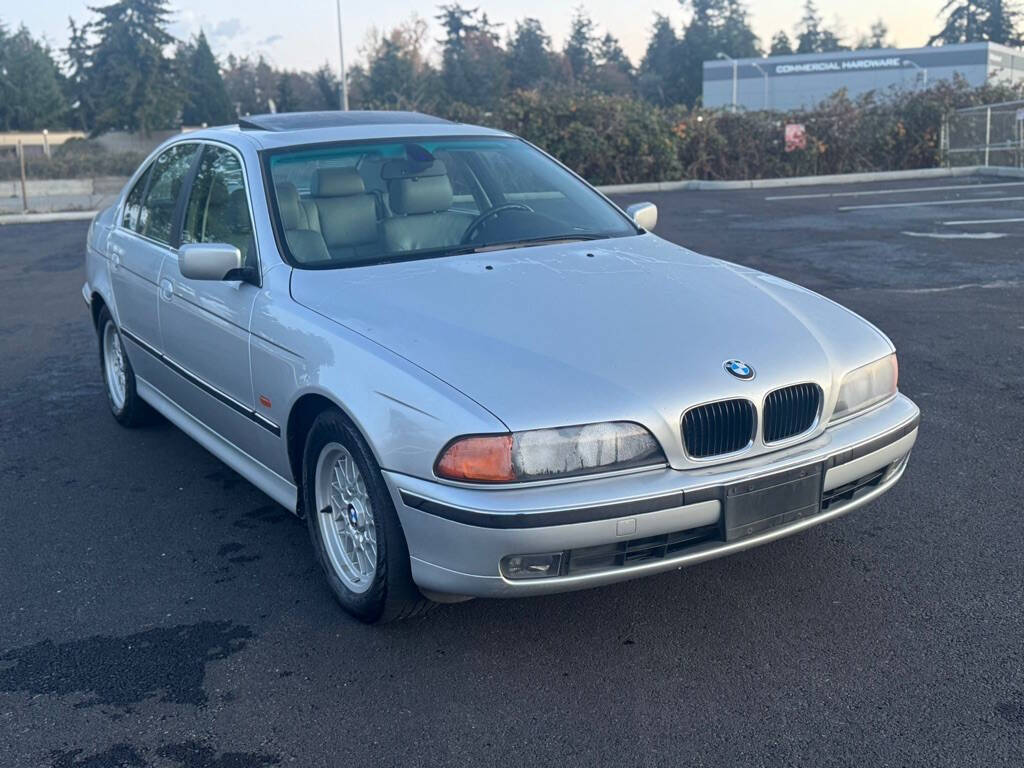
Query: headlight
x,y
546,453
867,386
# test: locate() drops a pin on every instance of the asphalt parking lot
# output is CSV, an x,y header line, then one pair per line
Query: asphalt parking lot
x,y
157,610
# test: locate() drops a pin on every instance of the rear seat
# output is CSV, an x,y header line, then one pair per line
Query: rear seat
x,y
346,214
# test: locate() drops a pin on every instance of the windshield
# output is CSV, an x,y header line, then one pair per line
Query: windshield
x,y
372,203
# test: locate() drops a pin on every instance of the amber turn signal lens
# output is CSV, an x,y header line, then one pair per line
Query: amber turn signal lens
x,y
478,460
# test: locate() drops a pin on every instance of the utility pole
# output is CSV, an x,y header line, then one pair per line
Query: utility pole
x,y
764,104
735,76
341,55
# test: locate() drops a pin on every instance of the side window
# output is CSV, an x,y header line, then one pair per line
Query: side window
x,y
133,203
218,209
168,171
464,184
519,180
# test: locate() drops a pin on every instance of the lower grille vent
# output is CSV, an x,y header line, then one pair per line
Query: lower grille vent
x,y
636,551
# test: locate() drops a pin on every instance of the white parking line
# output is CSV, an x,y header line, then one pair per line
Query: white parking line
x,y
958,235
965,222
925,203
862,193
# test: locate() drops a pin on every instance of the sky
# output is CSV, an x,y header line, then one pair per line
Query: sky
x,y
302,34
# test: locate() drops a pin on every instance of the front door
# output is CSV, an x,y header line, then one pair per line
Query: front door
x,y
205,323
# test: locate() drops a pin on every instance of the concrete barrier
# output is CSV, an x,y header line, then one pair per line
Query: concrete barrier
x,y
49,195
809,181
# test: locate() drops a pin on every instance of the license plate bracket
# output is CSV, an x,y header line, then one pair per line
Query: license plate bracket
x,y
759,505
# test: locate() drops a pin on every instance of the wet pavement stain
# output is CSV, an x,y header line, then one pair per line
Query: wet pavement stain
x,y
194,755
114,756
169,662
189,754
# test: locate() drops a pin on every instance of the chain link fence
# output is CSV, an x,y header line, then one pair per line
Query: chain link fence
x,y
990,134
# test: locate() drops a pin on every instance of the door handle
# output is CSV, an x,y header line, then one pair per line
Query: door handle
x,y
166,290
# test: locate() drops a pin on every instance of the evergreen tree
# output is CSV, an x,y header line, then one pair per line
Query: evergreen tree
x,y
398,74
1000,24
716,26
877,37
30,84
206,98
974,21
809,33
76,83
131,81
579,47
736,37
250,85
812,35
660,71
529,55
613,72
780,45
328,86
458,24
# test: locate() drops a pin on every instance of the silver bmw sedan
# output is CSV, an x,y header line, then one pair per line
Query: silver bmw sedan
x,y
469,371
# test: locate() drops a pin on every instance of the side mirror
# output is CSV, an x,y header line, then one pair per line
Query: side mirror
x,y
644,215
212,261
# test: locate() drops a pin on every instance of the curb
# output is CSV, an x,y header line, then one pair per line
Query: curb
x,y
673,186
42,218
810,181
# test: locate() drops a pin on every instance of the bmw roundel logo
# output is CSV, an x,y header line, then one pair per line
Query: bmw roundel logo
x,y
739,369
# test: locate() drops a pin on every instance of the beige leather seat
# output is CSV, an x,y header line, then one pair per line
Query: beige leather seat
x,y
421,217
347,216
307,246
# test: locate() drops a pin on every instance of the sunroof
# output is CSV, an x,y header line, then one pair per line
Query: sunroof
x,y
298,121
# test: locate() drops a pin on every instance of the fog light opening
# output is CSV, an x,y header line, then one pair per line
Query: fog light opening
x,y
531,566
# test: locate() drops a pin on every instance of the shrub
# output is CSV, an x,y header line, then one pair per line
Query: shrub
x,y
76,159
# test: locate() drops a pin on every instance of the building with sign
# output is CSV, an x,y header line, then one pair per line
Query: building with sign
x,y
803,80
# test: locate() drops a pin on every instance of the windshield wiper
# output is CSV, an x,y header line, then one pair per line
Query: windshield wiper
x,y
580,236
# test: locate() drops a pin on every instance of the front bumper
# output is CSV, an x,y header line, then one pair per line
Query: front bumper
x,y
458,535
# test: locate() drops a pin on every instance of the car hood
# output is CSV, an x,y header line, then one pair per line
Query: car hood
x,y
631,328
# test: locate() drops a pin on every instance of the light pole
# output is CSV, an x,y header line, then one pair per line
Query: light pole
x,y
764,74
341,56
915,65
735,75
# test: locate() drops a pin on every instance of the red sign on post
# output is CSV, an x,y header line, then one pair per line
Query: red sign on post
x,y
796,137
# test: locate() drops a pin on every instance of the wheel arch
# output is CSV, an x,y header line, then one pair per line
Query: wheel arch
x,y
301,416
96,305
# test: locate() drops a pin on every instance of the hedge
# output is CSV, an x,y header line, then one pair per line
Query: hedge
x,y
620,139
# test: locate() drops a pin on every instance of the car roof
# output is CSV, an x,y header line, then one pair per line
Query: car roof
x,y
274,131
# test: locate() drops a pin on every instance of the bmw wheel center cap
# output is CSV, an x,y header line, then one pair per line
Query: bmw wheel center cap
x,y
739,369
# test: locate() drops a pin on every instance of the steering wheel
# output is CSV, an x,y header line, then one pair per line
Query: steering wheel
x,y
475,225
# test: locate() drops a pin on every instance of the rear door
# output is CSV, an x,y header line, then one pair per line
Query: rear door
x,y
137,248
205,323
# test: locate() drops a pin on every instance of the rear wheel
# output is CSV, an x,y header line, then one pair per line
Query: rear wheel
x,y
353,525
125,404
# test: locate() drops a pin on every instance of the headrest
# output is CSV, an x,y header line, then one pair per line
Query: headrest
x,y
238,212
288,205
337,182
218,193
423,194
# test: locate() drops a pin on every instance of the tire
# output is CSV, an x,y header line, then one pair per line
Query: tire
x,y
118,376
354,528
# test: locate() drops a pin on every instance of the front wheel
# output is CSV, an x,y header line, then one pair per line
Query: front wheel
x,y
353,525
118,376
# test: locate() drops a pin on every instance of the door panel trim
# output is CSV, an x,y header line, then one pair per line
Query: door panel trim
x,y
209,389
